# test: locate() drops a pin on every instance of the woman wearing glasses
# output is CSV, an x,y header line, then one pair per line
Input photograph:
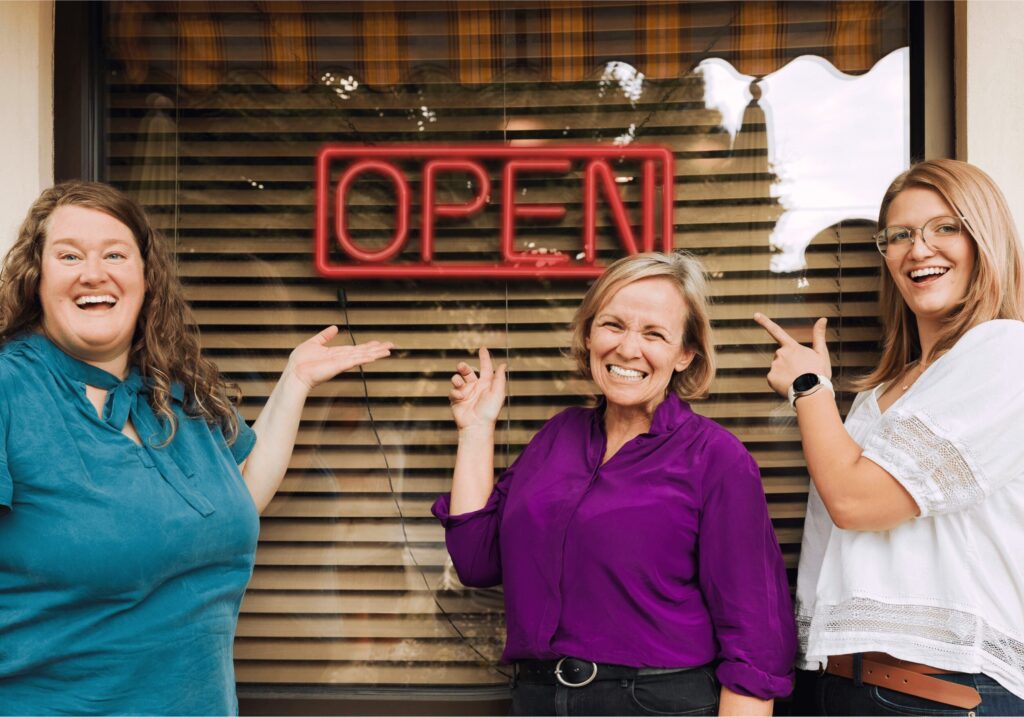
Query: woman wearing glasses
x,y
910,593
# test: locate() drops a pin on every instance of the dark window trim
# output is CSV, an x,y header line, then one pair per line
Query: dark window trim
x,y
79,152
917,81
78,101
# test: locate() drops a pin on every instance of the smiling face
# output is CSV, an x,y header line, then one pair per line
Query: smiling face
x,y
931,281
636,344
91,286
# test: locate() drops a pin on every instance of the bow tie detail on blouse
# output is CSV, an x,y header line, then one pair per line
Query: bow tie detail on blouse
x,y
121,397
130,399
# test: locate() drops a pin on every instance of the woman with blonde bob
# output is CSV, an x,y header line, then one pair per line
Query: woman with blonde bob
x,y
910,587
130,489
641,571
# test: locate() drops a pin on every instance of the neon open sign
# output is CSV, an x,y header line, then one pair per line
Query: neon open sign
x,y
592,167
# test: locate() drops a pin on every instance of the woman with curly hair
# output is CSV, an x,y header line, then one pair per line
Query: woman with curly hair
x,y
129,487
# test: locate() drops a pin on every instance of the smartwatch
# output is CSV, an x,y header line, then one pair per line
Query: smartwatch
x,y
806,384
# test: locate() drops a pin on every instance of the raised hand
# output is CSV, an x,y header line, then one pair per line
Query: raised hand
x,y
313,362
477,400
792,359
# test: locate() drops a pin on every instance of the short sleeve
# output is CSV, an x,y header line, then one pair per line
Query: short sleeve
x,y
743,580
958,436
6,481
245,441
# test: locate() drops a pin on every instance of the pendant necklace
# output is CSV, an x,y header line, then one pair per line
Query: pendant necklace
x,y
909,372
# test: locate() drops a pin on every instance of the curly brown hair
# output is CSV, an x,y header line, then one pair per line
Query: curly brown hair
x,y
165,345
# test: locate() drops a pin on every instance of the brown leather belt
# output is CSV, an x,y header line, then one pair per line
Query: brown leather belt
x,y
882,670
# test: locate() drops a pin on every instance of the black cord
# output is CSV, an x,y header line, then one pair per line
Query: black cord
x,y
343,303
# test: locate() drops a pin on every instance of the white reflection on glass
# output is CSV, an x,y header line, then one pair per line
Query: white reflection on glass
x,y
727,91
626,137
627,77
343,86
835,141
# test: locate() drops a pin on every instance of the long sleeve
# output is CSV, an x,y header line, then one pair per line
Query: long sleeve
x,y
473,538
743,580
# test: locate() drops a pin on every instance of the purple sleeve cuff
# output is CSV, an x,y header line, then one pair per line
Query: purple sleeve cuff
x,y
472,540
745,679
441,507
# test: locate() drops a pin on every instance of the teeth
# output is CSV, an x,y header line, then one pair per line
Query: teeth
x,y
625,372
102,299
928,271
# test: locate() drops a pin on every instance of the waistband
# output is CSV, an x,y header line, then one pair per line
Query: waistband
x,y
883,670
574,672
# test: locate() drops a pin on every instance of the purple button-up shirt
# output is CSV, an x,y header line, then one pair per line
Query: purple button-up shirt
x,y
662,557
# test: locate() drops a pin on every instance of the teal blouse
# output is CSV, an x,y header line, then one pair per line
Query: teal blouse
x,y
122,566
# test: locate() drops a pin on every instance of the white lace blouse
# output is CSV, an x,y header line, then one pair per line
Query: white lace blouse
x,y
946,588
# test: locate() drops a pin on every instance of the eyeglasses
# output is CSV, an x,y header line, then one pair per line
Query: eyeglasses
x,y
938,234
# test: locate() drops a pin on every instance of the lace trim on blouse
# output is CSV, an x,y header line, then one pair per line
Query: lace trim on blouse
x,y
939,630
941,478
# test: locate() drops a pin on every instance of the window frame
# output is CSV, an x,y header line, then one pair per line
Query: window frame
x,y
79,152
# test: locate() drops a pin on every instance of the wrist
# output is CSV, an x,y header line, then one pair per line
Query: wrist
x,y
291,382
808,384
477,431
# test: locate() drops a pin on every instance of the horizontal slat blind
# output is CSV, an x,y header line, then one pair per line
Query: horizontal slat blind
x,y
215,114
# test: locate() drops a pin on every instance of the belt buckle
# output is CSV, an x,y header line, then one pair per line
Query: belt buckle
x,y
562,680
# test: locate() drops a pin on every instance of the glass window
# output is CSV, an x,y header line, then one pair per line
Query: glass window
x,y
785,121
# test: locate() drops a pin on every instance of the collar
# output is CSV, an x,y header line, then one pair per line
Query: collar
x,y
82,372
127,398
668,416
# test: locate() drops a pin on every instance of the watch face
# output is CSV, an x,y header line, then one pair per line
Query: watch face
x,y
805,382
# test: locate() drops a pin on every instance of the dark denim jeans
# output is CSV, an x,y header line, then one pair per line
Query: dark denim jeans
x,y
691,692
840,696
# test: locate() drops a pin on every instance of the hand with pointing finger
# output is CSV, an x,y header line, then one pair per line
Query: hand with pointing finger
x,y
477,400
793,359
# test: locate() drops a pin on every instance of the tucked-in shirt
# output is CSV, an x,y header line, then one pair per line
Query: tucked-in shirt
x,y
664,556
946,588
122,566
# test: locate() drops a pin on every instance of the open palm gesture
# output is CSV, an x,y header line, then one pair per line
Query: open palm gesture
x,y
313,362
477,400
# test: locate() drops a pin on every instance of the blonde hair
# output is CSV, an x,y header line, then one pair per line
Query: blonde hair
x,y
165,345
688,276
996,285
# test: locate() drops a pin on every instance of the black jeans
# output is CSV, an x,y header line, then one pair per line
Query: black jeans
x,y
690,692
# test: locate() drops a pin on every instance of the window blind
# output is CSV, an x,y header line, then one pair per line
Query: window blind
x,y
215,112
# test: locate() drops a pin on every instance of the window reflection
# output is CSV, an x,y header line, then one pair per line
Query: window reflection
x,y
835,141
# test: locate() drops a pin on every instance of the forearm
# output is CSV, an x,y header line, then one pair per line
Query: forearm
x,y
732,703
276,429
473,480
857,492
830,452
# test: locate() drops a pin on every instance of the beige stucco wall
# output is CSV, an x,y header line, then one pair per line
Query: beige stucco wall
x,y
990,94
26,113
